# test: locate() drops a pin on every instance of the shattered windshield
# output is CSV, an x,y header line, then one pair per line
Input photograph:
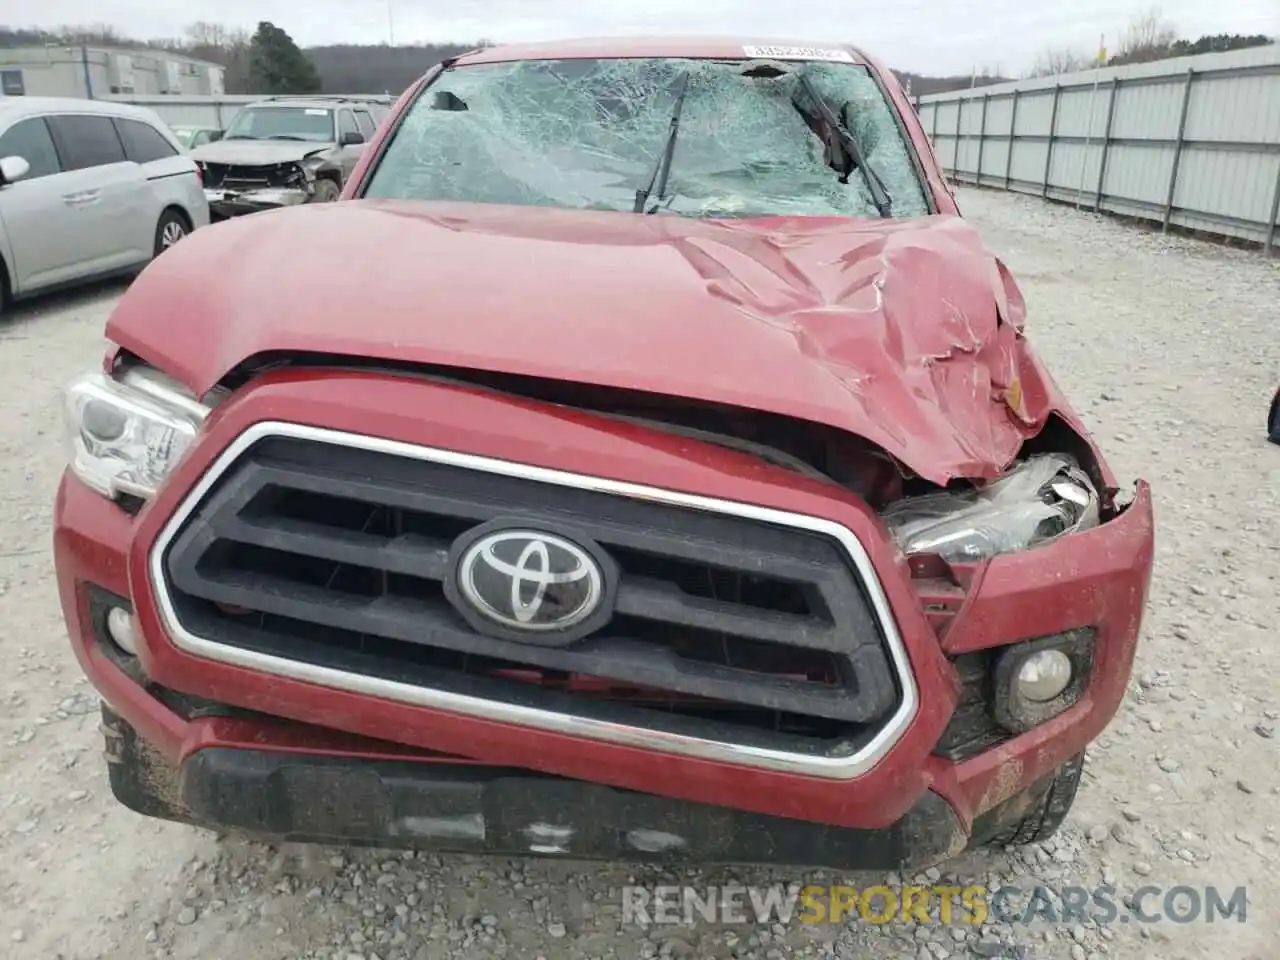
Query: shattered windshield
x,y
282,123
587,134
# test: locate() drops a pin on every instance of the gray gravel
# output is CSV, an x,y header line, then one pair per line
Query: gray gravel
x,y
1168,347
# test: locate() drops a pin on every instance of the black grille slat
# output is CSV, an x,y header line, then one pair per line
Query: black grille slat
x,y
434,624
408,553
477,509
238,177
783,731
336,555
425,558
664,602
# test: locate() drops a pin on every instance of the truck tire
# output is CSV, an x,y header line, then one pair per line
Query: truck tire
x,y
326,191
1046,817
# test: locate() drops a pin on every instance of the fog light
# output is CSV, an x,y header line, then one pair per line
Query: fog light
x,y
120,627
1043,676
1036,680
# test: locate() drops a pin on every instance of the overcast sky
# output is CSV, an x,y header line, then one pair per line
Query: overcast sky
x,y
925,36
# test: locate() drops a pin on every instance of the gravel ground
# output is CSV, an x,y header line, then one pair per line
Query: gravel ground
x,y
1169,348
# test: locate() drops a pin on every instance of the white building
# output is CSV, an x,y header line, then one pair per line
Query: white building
x,y
57,70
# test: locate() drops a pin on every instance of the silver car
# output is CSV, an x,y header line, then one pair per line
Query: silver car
x,y
88,189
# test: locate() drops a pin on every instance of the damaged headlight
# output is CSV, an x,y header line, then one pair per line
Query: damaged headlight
x,y
308,166
1039,500
127,434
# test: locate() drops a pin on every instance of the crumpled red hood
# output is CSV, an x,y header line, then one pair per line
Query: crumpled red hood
x,y
906,333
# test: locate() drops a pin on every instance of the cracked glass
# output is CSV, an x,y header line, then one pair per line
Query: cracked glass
x,y
587,134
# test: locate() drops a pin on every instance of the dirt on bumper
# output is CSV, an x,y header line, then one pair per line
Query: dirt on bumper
x,y
460,807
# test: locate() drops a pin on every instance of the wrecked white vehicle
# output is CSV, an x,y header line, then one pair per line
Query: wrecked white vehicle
x,y
283,151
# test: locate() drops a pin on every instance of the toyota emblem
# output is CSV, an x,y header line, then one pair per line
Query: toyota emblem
x,y
529,582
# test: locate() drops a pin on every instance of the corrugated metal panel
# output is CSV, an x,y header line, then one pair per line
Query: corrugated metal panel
x,y
1226,158
194,110
1035,111
191,110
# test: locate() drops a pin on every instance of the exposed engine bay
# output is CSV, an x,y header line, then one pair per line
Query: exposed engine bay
x,y
1050,490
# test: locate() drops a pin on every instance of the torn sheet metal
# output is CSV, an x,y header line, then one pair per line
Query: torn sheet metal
x,y
906,332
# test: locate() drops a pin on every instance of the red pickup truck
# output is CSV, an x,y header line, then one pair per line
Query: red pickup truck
x,y
643,459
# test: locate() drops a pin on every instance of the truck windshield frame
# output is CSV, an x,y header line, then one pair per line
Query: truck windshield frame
x,y
582,134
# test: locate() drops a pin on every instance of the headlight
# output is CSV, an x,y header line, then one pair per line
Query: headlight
x,y
1039,500
309,165
127,434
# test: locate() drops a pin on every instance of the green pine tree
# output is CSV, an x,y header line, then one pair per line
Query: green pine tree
x,y
276,65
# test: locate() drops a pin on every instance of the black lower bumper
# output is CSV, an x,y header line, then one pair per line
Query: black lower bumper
x,y
488,810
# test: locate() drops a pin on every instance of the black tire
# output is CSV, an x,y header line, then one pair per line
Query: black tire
x,y
172,227
1273,420
326,191
1043,820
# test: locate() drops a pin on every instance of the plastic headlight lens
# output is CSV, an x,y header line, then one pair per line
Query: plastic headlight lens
x,y
1036,680
309,165
1039,500
127,435
1043,676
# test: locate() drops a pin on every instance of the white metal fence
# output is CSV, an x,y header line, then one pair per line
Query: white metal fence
x,y
189,110
194,111
1191,142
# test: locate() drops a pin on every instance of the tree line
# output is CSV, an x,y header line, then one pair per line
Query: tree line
x,y
267,61
1148,38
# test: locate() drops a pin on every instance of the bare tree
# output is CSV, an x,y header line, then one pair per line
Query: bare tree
x,y
94,33
1053,61
205,34
228,47
1149,36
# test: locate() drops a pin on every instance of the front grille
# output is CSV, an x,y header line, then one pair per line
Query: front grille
x,y
237,177
723,628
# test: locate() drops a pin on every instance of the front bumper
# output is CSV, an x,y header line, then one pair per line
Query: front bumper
x,y
234,203
472,808
1094,579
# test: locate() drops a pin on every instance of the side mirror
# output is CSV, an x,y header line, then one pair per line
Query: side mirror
x,y
13,169
216,135
351,138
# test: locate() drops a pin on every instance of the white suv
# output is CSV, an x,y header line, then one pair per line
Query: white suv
x,y
88,188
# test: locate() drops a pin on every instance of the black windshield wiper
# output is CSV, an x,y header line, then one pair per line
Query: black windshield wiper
x,y
879,195
285,136
662,170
